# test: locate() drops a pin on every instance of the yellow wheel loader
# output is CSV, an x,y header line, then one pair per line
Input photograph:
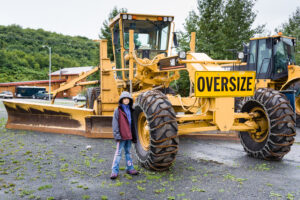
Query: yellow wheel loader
x,y
273,59
144,66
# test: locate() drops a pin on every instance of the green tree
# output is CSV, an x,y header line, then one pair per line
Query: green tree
x,y
105,30
292,28
220,25
237,25
22,57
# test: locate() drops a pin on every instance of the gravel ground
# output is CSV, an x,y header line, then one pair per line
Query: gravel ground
x,y
35,165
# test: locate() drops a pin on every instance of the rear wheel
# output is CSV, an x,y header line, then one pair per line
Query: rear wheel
x,y
156,126
91,96
276,125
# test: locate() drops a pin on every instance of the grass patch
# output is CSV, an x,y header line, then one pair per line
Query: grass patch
x,y
162,190
190,168
171,198
290,196
273,194
269,184
233,178
45,187
262,167
128,176
26,192
84,197
153,177
140,188
221,190
103,197
195,189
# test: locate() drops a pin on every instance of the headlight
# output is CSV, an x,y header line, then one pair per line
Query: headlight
x,y
170,19
124,16
173,62
182,55
165,19
130,17
240,55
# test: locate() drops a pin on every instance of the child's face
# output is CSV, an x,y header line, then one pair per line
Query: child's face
x,y
125,101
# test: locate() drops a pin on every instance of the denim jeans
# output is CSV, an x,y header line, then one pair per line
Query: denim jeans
x,y
126,145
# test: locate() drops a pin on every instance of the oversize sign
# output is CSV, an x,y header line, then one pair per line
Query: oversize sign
x,y
224,83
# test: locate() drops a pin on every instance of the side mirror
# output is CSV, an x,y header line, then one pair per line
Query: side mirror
x,y
175,39
246,52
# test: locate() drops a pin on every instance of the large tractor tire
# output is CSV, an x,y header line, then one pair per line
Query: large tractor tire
x,y
238,103
296,86
91,95
156,126
275,134
168,90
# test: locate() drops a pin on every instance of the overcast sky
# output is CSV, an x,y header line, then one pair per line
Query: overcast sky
x,y
85,17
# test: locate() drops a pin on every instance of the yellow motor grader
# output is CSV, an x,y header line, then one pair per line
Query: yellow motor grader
x,y
144,66
273,59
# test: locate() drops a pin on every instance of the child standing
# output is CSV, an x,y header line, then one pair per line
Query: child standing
x,y
124,134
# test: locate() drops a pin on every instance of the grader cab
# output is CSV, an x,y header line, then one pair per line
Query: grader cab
x,y
273,59
143,65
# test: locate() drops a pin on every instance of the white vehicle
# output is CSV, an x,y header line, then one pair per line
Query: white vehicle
x,y
6,95
79,97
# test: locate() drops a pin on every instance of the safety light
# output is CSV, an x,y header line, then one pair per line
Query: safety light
x,y
159,18
133,16
124,16
182,55
172,62
170,19
165,19
129,17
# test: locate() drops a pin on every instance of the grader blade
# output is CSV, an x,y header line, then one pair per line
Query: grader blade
x,y
49,118
99,126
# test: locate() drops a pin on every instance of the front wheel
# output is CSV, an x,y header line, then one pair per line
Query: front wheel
x,y
156,126
276,125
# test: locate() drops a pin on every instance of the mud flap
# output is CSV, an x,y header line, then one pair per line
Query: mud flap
x,y
99,126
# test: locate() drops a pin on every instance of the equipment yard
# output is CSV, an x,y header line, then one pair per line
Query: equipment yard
x,y
36,165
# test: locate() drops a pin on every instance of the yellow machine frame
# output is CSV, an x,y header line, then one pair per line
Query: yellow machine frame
x,y
161,117
215,113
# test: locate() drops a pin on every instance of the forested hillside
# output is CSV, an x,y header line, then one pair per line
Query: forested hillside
x,y
23,57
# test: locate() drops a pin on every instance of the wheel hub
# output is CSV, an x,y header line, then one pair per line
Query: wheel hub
x,y
262,121
143,131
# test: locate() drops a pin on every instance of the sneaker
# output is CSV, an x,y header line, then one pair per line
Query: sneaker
x,y
132,172
113,176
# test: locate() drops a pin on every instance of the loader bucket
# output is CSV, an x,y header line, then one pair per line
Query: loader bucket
x,y
50,118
